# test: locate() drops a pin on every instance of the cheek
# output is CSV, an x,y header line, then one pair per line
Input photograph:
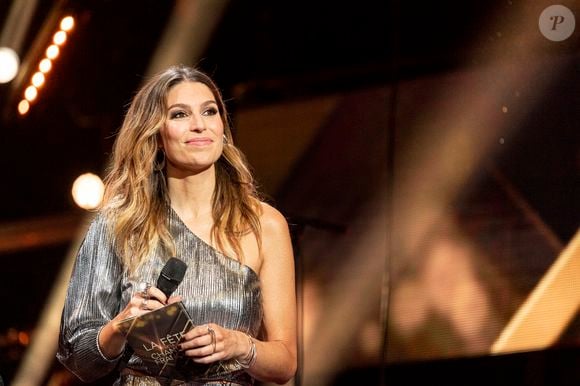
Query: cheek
x,y
218,128
169,134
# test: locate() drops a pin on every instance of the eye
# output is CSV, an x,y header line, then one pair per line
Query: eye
x,y
177,114
210,111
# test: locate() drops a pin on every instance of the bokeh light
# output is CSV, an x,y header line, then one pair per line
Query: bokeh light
x,y
87,191
9,64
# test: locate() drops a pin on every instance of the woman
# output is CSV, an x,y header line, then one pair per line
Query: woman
x,y
177,186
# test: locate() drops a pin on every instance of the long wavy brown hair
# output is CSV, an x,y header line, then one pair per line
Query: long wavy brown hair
x,y
136,201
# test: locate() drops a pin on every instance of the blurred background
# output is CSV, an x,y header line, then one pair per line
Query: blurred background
x,y
426,155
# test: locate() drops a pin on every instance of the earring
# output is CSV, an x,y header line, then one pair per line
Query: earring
x,y
159,163
226,141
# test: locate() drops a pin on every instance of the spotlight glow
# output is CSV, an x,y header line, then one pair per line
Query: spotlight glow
x,y
87,191
37,79
45,65
30,93
52,51
23,107
67,23
9,64
59,38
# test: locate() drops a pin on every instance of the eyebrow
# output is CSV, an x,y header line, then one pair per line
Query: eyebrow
x,y
186,106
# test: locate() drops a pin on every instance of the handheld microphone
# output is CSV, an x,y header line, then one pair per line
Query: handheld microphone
x,y
171,275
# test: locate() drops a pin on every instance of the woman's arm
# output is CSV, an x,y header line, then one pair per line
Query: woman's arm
x,y
275,356
92,300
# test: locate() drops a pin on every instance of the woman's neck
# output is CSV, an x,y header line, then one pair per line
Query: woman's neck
x,y
191,194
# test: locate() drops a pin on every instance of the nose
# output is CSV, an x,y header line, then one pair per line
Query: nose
x,y
197,123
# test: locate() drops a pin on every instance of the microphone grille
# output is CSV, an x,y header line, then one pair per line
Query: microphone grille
x,y
171,275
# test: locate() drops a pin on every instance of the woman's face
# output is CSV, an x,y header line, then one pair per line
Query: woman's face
x,y
192,135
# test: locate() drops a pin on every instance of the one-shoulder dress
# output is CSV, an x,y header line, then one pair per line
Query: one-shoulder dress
x,y
215,289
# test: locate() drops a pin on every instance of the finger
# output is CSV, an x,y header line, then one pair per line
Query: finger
x,y
197,343
199,352
197,331
212,335
142,289
156,293
174,299
205,354
137,300
149,304
214,356
207,359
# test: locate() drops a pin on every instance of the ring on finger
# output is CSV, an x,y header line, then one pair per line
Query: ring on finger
x,y
211,332
145,292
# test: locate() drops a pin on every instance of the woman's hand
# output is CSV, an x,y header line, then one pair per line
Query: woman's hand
x,y
111,339
142,302
210,343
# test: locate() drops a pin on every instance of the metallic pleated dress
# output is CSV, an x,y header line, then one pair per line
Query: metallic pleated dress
x,y
215,289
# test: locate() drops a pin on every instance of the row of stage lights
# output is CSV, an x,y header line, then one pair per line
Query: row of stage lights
x,y
38,79
88,189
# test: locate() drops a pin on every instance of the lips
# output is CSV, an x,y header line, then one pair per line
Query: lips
x,y
199,141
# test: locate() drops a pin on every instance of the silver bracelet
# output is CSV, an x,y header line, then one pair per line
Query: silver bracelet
x,y
250,358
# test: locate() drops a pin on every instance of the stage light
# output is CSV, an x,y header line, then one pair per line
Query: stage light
x,y
59,38
30,93
23,107
52,51
45,65
87,191
67,23
37,79
9,64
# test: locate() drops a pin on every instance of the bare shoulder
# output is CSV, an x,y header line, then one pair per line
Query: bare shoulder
x,y
272,220
276,250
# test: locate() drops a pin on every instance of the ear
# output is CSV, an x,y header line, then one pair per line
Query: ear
x,y
159,141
